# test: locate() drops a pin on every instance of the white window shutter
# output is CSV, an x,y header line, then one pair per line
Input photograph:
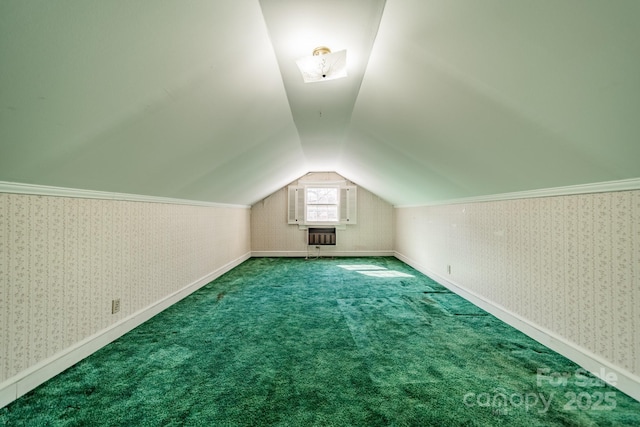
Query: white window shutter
x,y
348,205
295,205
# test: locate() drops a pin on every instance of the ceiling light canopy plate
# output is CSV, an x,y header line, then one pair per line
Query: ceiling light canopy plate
x,y
323,65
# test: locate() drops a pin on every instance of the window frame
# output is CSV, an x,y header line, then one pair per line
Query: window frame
x,y
335,187
347,205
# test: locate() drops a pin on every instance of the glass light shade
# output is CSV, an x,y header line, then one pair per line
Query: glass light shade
x,y
318,68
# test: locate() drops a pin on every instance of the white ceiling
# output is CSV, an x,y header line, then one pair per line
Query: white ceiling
x,y
201,100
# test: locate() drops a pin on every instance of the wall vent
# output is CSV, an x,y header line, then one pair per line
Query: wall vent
x,y
321,236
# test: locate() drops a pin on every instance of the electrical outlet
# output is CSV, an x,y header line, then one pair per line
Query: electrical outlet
x,y
115,306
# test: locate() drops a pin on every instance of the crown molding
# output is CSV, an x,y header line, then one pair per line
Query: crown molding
x,y
46,190
597,187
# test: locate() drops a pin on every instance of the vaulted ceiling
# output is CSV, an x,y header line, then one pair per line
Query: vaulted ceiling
x,y
202,100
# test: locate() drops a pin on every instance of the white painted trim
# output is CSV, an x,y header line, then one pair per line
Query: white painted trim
x,y
32,377
312,253
627,382
77,193
597,187
338,183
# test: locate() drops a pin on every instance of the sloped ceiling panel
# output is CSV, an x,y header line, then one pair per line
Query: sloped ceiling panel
x,y
322,110
194,99
150,97
476,98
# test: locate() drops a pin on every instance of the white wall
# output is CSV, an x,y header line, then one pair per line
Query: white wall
x,y
564,269
272,236
63,260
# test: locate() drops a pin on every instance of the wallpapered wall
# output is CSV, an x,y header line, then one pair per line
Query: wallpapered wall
x,y
570,264
373,233
62,261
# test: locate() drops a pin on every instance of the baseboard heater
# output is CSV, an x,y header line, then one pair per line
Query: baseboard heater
x,y
321,236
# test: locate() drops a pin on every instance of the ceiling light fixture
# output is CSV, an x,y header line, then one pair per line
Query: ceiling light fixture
x,y
323,65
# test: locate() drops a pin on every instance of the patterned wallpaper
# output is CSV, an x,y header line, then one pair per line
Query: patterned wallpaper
x,y
570,264
372,234
62,261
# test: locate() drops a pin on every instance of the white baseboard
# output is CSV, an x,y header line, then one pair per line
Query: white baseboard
x,y
626,381
313,253
32,377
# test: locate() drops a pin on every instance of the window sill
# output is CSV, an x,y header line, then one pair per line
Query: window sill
x,y
337,226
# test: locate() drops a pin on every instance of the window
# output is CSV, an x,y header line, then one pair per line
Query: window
x,y
322,204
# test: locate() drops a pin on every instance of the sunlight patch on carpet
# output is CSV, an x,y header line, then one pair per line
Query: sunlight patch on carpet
x,y
385,273
374,270
361,267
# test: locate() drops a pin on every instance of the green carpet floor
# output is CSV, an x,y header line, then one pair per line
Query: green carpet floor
x,y
293,342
